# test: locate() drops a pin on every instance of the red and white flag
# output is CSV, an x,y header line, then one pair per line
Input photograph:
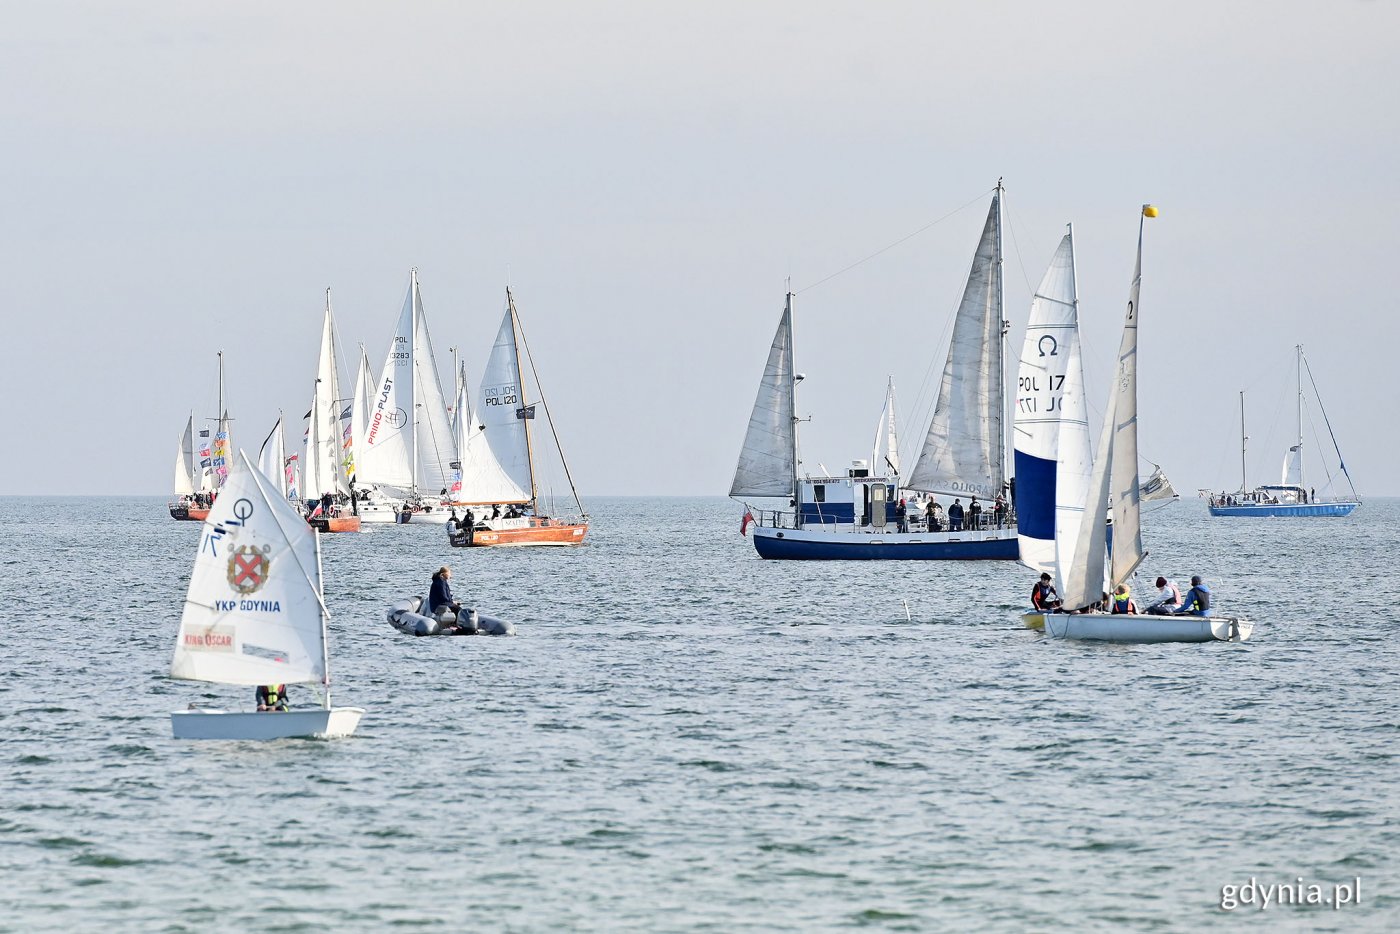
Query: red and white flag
x,y
744,523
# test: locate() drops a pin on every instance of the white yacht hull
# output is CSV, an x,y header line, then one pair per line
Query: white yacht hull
x,y
316,722
1139,628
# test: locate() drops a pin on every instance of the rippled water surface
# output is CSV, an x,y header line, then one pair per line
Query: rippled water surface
x,y
685,737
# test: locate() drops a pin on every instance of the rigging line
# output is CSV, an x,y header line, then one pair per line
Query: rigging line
x,y
891,246
552,430
1318,396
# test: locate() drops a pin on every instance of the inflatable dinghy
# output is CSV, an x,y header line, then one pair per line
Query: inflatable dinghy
x,y
404,616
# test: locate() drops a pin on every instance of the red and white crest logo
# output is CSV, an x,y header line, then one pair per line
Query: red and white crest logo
x,y
248,567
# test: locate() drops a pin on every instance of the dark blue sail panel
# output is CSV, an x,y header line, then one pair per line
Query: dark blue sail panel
x,y
1035,496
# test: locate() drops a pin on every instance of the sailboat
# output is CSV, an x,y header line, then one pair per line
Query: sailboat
x,y
201,467
186,469
1291,496
371,503
498,454
1081,542
856,516
255,614
408,445
327,439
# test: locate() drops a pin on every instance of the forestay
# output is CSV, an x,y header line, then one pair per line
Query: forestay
x,y
1050,370
963,450
768,460
253,614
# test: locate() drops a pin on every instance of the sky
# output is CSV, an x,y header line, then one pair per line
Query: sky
x,y
181,179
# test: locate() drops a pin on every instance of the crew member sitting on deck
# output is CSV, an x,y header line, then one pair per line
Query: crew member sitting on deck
x,y
272,697
1123,601
1044,596
1197,600
1168,598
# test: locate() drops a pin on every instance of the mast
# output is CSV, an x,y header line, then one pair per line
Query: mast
x,y
1244,474
796,488
413,344
1300,415
1001,347
520,382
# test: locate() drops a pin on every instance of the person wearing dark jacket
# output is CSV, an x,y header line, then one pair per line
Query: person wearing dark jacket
x,y
440,596
1197,600
1043,595
955,516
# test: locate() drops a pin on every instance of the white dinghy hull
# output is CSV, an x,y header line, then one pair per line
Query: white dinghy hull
x,y
1138,628
317,723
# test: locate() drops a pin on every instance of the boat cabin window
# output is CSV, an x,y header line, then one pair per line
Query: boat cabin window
x,y
819,492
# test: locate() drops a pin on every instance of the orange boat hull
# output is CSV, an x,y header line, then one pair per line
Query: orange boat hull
x,y
336,524
541,531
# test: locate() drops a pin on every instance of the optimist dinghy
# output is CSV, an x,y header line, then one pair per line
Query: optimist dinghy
x,y
255,615
404,616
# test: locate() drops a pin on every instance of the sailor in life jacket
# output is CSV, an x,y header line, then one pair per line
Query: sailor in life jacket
x,y
1122,600
1043,595
1197,600
272,697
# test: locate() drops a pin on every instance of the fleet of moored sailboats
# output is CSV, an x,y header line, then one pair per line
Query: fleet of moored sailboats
x,y
397,447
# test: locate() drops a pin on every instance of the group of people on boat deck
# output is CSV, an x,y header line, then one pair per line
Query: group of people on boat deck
x,y
1169,601
202,499
957,518
328,505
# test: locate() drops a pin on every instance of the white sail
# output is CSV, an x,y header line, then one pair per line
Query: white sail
x,y
324,463
435,447
360,407
768,459
1050,368
1124,491
387,456
1293,466
461,426
885,459
963,450
496,459
1074,467
254,613
185,462
1079,575
272,459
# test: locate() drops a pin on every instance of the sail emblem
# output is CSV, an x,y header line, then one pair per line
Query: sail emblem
x,y
247,568
399,418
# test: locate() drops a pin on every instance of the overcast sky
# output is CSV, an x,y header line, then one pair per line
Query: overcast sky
x,y
182,178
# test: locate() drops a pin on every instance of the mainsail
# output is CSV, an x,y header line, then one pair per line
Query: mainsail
x,y
408,440
1050,372
324,467
963,452
496,455
768,459
360,407
272,460
185,462
253,613
461,426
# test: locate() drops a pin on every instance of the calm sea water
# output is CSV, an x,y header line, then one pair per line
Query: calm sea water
x,y
685,737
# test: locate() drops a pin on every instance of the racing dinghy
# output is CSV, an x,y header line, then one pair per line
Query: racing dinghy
x,y
1081,542
404,616
255,615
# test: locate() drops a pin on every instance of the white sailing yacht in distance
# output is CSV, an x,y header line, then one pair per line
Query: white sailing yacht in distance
x,y
408,444
255,614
